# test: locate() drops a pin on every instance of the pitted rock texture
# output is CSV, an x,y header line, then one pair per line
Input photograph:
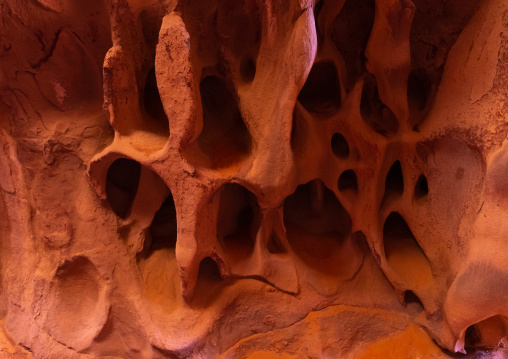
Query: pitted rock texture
x,y
253,179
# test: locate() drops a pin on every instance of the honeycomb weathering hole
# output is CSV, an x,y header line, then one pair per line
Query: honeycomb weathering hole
x,y
122,184
321,91
317,226
421,188
340,146
348,181
224,138
374,112
418,94
163,227
237,221
394,184
152,104
411,299
275,220
404,254
209,270
487,334
209,283
248,69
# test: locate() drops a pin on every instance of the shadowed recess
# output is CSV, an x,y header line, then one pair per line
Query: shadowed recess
x,y
340,146
374,112
224,138
486,334
350,33
411,299
151,21
321,91
163,227
122,184
274,245
248,69
421,188
394,184
348,181
404,254
317,226
209,283
209,270
238,220
153,104
418,92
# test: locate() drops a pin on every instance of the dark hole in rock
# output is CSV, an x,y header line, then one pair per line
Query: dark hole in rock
x,y
321,91
122,183
374,112
151,21
316,225
340,146
486,334
348,181
421,188
248,69
396,227
209,270
350,33
274,245
418,93
472,337
418,90
224,138
411,298
209,283
404,254
163,227
238,220
152,101
394,185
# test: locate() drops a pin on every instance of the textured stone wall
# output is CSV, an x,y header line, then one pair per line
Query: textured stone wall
x,y
253,179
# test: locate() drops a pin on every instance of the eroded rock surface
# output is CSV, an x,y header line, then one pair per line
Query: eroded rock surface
x,y
253,179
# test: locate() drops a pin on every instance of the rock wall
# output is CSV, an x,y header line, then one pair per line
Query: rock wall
x,y
253,179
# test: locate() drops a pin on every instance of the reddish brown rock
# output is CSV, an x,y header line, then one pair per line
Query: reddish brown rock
x,y
253,179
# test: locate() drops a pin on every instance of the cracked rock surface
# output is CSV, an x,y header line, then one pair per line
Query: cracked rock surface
x,y
253,179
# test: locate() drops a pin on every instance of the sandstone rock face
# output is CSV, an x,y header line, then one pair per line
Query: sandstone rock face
x,y
253,179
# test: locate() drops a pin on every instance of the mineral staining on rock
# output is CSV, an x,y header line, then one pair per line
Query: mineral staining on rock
x,y
253,179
